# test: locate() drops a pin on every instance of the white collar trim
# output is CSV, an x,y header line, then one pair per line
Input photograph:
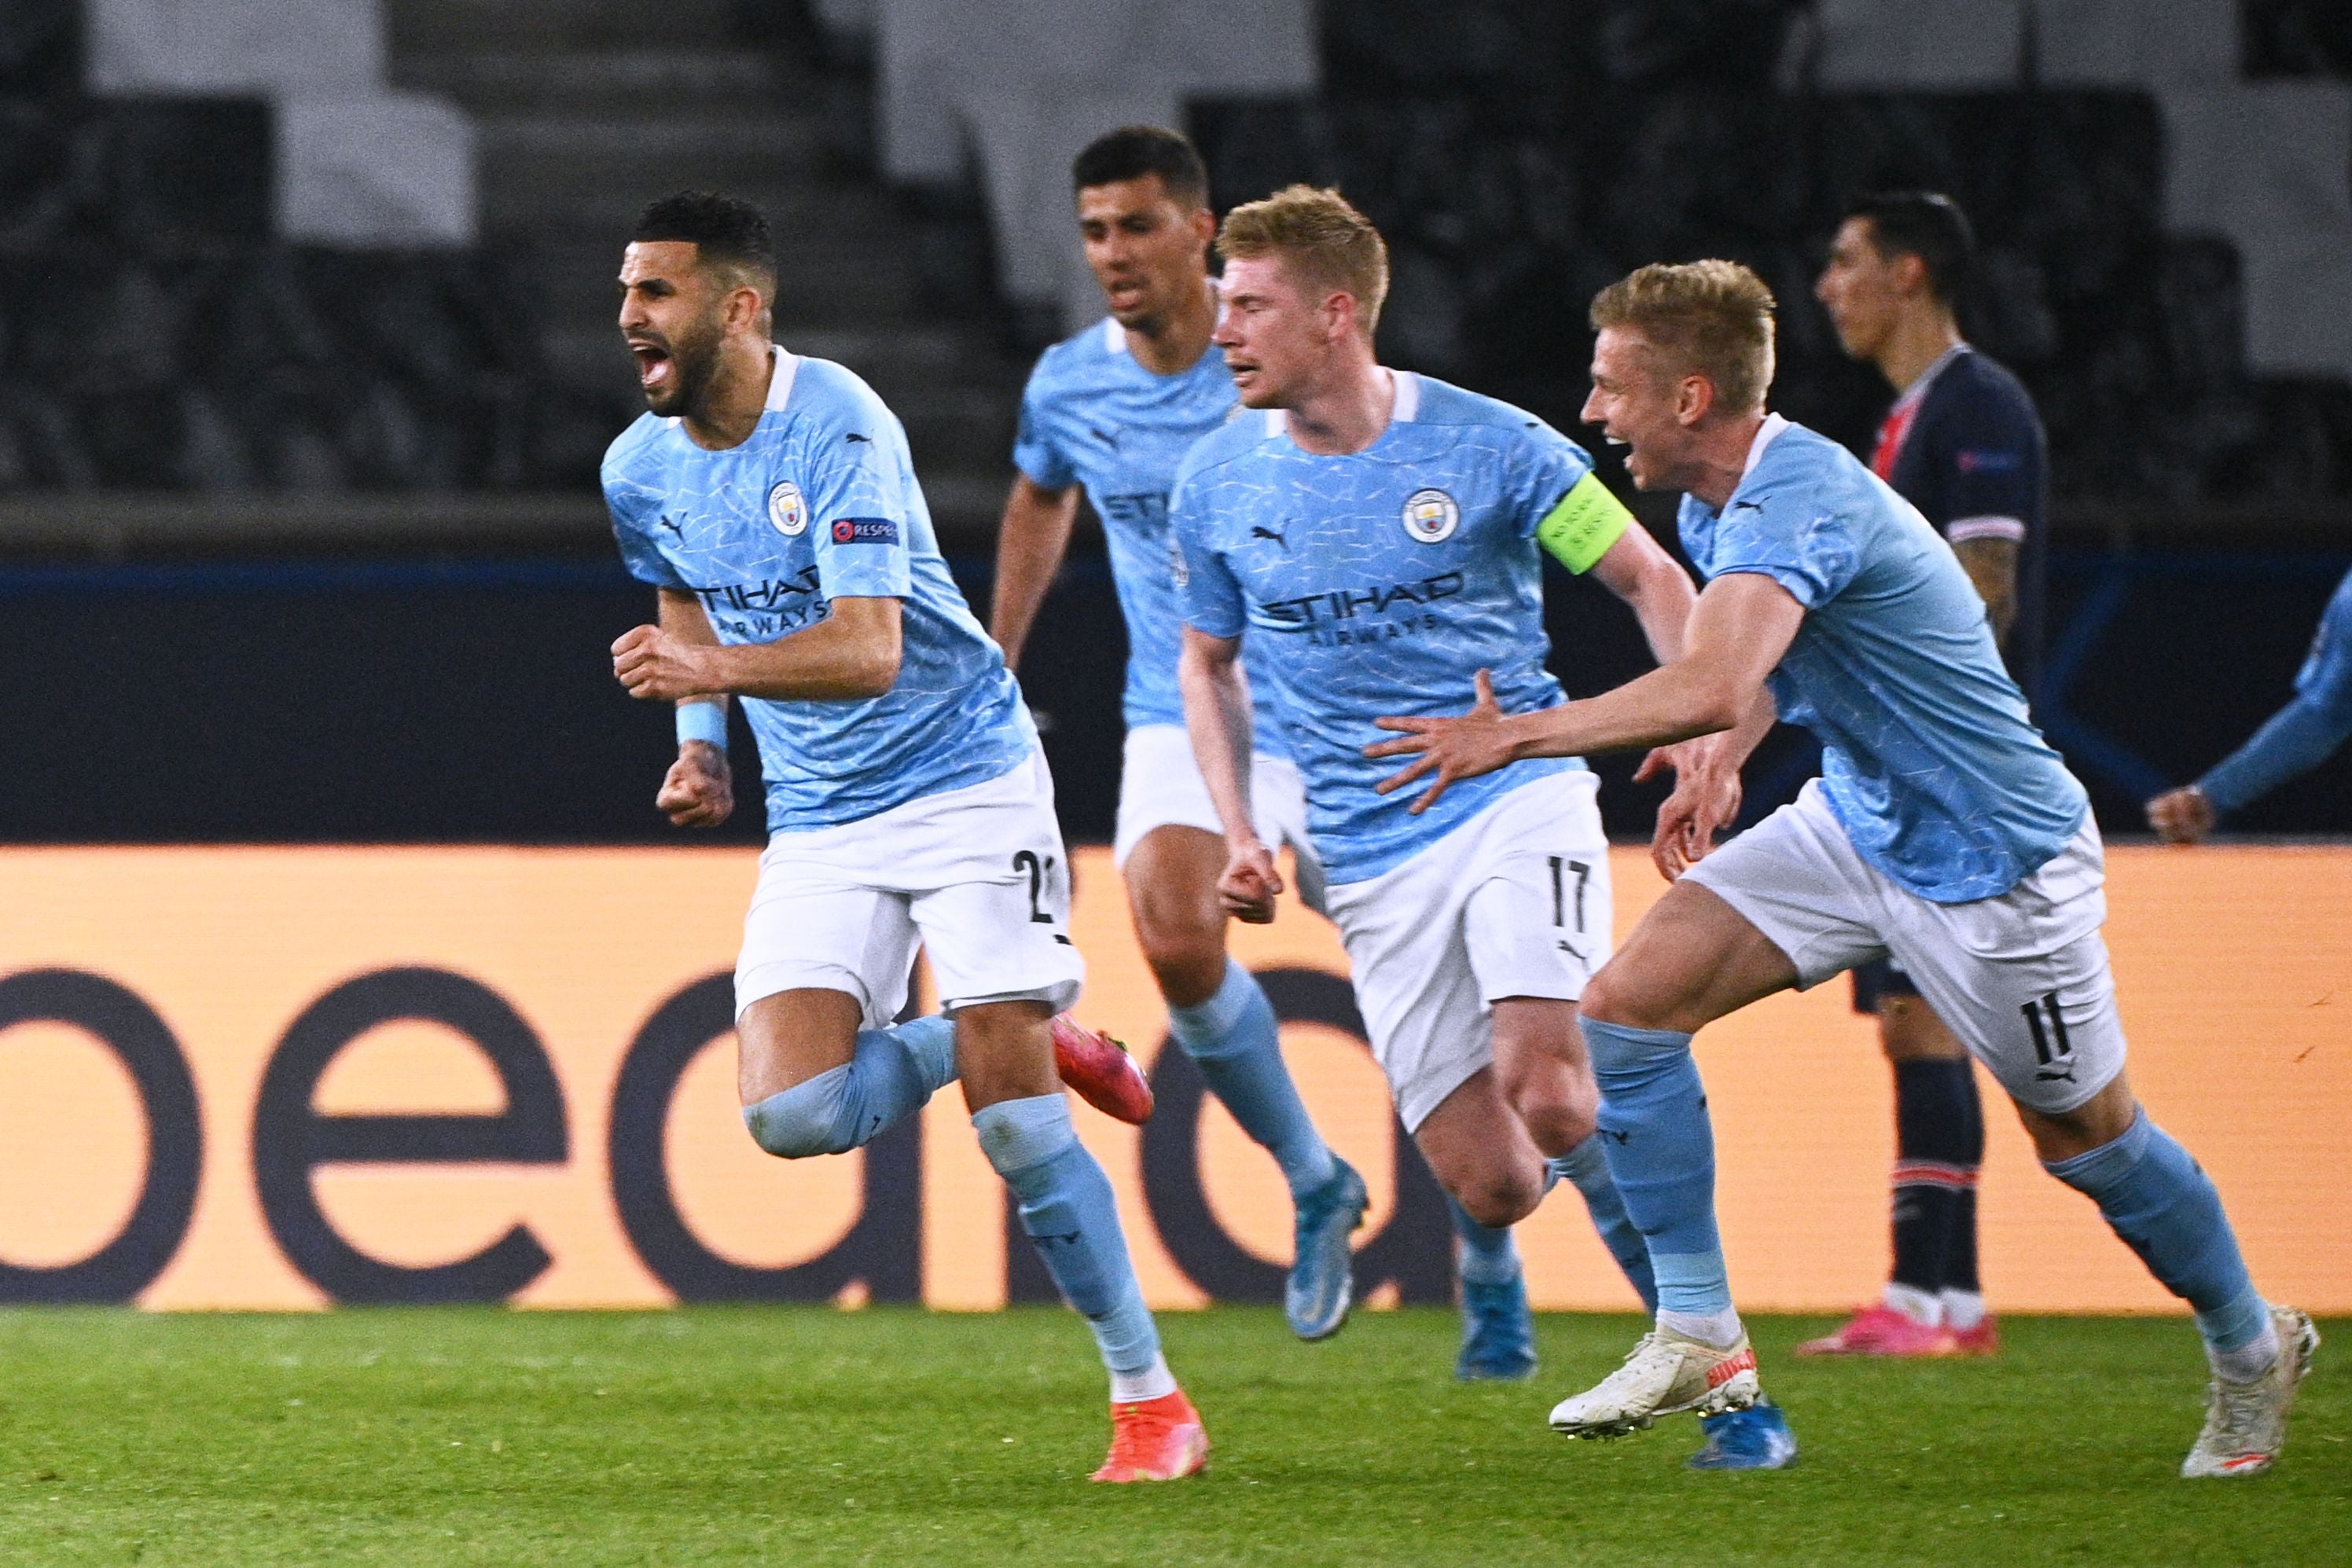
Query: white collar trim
x,y
1114,336
779,383
1404,404
1917,390
1766,434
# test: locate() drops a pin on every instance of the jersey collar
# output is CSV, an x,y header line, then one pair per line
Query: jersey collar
x,y
1402,410
1918,390
1766,434
780,382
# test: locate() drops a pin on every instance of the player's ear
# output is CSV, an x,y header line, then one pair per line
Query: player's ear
x,y
1694,396
1204,226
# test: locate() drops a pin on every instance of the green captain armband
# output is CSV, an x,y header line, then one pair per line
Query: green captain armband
x,y
1580,530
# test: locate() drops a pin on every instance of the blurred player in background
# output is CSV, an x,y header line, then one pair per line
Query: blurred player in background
x,y
1110,411
1943,832
771,501
1963,444
2296,739
1377,533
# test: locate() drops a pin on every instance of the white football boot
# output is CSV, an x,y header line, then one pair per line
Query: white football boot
x,y
1666,1373
2245,1423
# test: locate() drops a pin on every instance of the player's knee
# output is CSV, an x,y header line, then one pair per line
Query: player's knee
x,y
804,1119
1608,999
1499,1203
1186,957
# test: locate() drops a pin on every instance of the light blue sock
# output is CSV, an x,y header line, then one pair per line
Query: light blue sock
x,y
1067,1209
890,1072
2163,1204
1586,1169
1661,1154
1489,1255
1236,1042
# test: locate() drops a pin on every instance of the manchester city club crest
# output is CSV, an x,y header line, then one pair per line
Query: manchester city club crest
x,y
787,510
1431,516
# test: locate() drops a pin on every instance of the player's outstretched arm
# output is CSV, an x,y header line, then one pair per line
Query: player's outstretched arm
x,y
851,656
1030,543
1217,715
1741,625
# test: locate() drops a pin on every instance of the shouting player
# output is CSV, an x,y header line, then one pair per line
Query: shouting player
x,y
771,501
1110,412
1942,833
1377,531
2294,740
1963,444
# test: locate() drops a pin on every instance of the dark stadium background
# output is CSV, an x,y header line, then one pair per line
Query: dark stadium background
x,y
300,541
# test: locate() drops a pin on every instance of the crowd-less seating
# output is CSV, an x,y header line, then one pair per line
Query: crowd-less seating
x,y
1518,156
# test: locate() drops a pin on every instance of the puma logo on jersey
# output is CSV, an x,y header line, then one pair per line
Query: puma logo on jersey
x,y
853,435
1259,531
677,528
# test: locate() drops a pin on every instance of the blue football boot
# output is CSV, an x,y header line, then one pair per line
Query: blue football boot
x,y
1756,1438
1322,1271
1498,1337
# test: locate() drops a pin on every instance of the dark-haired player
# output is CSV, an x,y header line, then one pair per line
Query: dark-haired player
x,y
1964,445
1108,412
771,501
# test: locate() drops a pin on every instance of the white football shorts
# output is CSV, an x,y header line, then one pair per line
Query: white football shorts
x,y
1513,902
2021,979
977,877
1160,786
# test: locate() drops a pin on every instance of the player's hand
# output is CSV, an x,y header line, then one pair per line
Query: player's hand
x,y
653,666
1478,742
1705,799
700,789
2182,816
1249,883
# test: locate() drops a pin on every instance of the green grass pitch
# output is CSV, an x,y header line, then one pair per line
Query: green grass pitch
x,y
813,1437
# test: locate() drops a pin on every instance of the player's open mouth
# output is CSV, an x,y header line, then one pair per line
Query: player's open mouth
x,y
653,366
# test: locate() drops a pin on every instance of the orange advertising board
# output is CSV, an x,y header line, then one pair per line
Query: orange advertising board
x,y
265,1077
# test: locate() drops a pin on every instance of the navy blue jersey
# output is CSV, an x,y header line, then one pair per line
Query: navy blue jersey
x,y
1965,446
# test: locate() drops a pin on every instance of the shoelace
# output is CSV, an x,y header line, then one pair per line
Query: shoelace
x,y
2236,1409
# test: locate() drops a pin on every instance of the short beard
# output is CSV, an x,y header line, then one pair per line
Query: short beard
x,y
694,365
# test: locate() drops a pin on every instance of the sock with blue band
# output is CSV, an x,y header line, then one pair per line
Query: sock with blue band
x,y
1236,1042
890,1072
2164,1206
1488,1255
1586,1169
1067,1209
1660,1148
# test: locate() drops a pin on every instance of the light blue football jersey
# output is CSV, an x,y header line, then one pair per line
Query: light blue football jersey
x,y
820,503
1092,415
1928,758
1378,584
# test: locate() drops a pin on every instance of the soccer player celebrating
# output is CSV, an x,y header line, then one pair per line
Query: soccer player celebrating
x,y
1944,834
1111,411
1963,444
771,501
1378,531
2294,740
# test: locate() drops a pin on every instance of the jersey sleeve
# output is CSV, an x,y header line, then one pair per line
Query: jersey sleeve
x,y
1034,449
858,512
1212,596
2325,679
634,510
1809,552
1987,458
